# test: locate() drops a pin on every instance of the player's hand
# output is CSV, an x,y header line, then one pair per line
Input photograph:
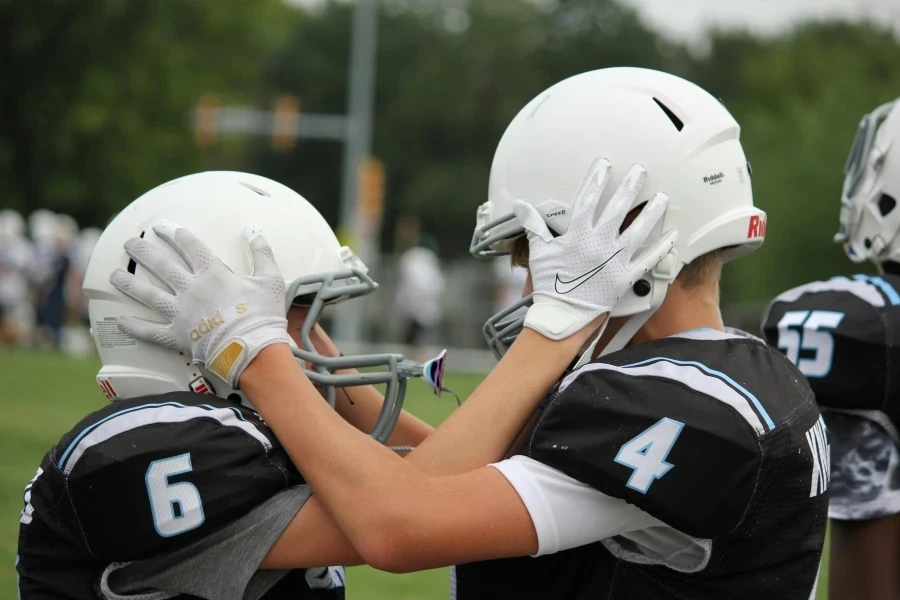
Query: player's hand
x,y
583,273
220,319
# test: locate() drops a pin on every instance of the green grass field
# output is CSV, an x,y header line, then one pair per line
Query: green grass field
x,y
45,394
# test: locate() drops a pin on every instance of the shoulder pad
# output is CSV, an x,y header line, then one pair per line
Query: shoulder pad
x,y
150,474
844,336
673,426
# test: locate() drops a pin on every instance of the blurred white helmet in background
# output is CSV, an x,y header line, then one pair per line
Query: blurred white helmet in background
x,y
869,219
216,206
42,226
66,232
11,223
685,138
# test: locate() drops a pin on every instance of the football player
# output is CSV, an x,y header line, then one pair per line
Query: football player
x,y
16,261
844,335
179,458
686,461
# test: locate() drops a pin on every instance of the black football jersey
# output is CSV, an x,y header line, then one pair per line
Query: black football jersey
x,y
844,336
142,477
716,435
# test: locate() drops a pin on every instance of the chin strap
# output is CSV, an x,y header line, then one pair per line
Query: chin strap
x,y
663,274
624,335
628,330
587,354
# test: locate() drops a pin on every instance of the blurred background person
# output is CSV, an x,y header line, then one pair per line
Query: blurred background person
x,y
420,288
54,236
16,261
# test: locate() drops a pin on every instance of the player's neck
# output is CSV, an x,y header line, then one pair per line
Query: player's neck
x,y
891,267
683,310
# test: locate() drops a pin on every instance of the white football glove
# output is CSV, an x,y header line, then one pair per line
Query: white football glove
x,y
220,319
583,273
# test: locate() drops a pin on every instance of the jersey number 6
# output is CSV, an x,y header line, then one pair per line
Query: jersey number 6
x,y
813,338
176,507
646,453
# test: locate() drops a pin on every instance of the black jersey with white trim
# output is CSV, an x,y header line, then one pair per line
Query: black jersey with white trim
x,y
143,477
844,336
716,435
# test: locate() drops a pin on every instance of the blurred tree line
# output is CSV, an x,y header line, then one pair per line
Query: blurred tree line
x,y
95,102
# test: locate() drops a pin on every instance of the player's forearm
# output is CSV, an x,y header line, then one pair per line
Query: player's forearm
x,y
361,483
485,427
311,540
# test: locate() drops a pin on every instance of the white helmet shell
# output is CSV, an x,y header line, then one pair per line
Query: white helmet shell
x,y
685,138
870,220
215,206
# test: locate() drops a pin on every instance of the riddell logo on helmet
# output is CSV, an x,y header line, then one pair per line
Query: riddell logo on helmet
x,y
714,178
757,227
207,325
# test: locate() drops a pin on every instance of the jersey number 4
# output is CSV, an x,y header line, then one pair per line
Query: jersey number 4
x,y
176,507
813,336
646,453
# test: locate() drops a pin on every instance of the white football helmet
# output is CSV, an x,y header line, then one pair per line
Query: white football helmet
x,y
685,138
216,206
869,221
11,223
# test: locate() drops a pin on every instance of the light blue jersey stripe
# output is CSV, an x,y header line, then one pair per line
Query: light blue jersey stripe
x,y
714,373
231,408
65,456
886,288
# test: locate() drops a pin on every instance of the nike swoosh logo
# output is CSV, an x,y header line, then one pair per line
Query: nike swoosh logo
x,y
564,287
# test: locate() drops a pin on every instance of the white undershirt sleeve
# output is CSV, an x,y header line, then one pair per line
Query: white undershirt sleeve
x,y
567,513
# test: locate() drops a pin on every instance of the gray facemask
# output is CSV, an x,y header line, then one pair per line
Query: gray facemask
x,y
392,370
489,234
501,330
489,240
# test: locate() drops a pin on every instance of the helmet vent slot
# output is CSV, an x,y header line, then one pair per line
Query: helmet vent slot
x,y
886,204
253,188
131,264
679,125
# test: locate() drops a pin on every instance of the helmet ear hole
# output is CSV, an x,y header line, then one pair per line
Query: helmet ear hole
x,y
886,204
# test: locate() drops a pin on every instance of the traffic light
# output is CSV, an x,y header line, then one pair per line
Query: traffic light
x,y
371,188
285,123
206,120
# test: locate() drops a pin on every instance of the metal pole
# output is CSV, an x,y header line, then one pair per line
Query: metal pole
x,y
360,101
361,86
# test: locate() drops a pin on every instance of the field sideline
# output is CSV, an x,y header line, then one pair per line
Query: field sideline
x,y
45,394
